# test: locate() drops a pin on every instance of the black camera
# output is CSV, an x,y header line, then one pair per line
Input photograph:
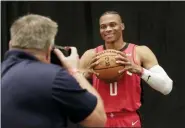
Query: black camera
x,y
54,58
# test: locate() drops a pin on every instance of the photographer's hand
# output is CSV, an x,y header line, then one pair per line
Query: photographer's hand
x,y
70,62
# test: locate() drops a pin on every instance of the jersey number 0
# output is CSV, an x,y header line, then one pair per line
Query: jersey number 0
x,y
113,89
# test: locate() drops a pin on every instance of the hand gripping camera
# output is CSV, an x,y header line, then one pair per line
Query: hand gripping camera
x,y
54,58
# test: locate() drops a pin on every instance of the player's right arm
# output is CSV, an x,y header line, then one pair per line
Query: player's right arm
x,y
85,63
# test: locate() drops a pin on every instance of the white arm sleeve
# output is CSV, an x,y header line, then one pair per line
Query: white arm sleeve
x,y
157,78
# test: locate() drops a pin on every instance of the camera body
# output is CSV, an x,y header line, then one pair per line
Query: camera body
x,y
54,58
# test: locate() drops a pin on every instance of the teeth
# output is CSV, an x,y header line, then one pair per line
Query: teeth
x,y
109,35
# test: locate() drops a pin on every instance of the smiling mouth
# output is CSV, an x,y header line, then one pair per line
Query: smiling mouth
x,y
110,35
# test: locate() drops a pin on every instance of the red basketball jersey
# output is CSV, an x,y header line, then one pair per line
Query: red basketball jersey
x,y
124,94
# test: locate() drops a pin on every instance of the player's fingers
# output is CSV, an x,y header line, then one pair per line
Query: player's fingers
x,y
121,53
123,70
92,65
94,59
127,63
123,58
94,62
97,74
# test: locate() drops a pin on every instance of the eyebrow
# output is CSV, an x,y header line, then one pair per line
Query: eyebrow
x,y
109,23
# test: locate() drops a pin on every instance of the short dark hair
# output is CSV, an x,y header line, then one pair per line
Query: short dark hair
x,y
112,12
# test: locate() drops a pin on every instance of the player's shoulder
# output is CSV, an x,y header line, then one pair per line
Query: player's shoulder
x,y
142,48
143,51
89,52
93,50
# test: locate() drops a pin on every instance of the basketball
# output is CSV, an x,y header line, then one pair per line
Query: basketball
x,y
107,66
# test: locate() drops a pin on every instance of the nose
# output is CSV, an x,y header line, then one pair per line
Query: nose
x,y
108,29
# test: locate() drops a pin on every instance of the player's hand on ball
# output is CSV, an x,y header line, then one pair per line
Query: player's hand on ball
x,y
92,64
69,62
130,66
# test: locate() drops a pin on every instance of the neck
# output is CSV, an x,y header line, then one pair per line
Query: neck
x,y
117,45
40,55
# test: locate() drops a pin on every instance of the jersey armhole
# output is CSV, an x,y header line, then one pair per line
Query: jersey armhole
x,y
99,48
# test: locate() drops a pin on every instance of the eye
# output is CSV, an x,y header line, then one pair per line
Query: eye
x,y
113,24
103,26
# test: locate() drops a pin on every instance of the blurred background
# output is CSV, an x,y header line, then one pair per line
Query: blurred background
x,y
158,25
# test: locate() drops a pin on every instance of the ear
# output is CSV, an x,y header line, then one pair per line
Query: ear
x,y
122,26
48,54
10,44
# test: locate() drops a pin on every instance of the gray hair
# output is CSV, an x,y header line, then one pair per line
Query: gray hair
x,y
33,32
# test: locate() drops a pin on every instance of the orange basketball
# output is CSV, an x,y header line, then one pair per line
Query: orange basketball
x,y
107,67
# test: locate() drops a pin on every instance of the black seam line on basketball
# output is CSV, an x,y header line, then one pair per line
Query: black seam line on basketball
x,y
102,55
108,67
105,55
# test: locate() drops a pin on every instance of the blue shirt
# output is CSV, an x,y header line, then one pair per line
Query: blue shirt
x,y
39,95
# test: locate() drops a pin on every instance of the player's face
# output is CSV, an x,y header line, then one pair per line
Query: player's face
x,y
110,27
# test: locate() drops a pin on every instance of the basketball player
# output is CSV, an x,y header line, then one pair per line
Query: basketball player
x,y
122,98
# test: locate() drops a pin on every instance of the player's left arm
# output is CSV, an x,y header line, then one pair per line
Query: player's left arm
x,y
152,73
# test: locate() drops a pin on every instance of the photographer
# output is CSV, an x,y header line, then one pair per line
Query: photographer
x,y
37,94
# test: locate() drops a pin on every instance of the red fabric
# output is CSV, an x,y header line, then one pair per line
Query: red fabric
x,y
123,119
124,94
